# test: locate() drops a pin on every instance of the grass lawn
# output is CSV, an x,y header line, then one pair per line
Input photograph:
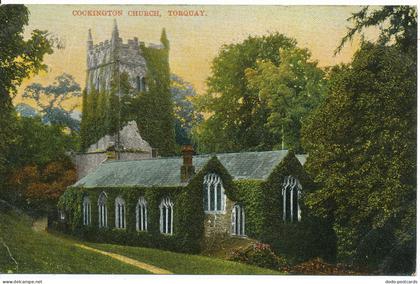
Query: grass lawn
x,y
183,263
42,253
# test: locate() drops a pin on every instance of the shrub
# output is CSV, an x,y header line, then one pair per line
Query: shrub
x,y
260,255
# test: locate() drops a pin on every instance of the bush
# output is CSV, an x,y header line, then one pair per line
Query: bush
x,y
260,255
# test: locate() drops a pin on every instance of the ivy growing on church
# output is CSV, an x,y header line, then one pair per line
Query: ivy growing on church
x,y
261,199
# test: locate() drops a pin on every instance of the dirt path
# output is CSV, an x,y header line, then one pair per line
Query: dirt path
x,y
40,225
136,263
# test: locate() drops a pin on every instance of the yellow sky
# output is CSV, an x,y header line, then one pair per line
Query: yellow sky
x,y
194,41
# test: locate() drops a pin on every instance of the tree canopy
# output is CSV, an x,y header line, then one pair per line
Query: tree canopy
x,y
256,96
361,143
19,59
290,91
50,100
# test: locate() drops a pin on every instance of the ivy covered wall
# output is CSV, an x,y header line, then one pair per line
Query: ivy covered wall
x,y
261,200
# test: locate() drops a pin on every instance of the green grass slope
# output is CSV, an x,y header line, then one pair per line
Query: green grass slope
x,y
42,253
183,263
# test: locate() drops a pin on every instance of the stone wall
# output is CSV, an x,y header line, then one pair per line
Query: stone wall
x,y
132,146
102,61
88,162
219,224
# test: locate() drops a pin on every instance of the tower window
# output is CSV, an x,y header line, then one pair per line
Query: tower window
x,y
140,84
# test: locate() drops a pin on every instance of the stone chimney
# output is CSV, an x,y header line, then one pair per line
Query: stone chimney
x,y
111,153
187,168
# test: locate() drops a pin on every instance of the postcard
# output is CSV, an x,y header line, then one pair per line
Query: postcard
x,y
208,140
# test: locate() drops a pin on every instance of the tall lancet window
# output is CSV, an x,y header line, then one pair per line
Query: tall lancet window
x,y
238,220
141,215
143,84
140,84
102,210
166,216
291,191
86,211
119,213
214,194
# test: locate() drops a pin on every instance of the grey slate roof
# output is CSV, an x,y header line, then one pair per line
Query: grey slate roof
x,y
166,172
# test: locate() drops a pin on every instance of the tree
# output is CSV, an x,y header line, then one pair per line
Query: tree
x,y
19,59
50,100
36,147
236,115
39,187
291,91
362,151
362,146
185,115
400,21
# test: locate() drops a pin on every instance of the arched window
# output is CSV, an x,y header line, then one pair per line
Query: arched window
x,y
138,84
86,211
166,216
119,213
143,84
214,194
141,215
291,193
103,211
238,220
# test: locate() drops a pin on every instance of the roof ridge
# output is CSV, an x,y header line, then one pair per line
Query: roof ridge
x,y
199,155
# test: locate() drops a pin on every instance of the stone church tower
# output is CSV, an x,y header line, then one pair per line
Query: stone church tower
x,y
115,57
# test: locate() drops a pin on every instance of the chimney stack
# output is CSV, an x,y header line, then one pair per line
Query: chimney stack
x,y
187,168
111,152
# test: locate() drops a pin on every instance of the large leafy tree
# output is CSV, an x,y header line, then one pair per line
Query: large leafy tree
x,y
19,58
37,147
50,100
362,149
290,91
236,116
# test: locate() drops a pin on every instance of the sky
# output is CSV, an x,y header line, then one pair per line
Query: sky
x,y
194,40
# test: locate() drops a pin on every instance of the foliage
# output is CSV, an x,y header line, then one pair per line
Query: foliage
x,y
40,170
260,255
50,100
317,266
400,26
39,188
244,110
185,115
362,150
25,110
155,108
38,143
19,59
290,91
